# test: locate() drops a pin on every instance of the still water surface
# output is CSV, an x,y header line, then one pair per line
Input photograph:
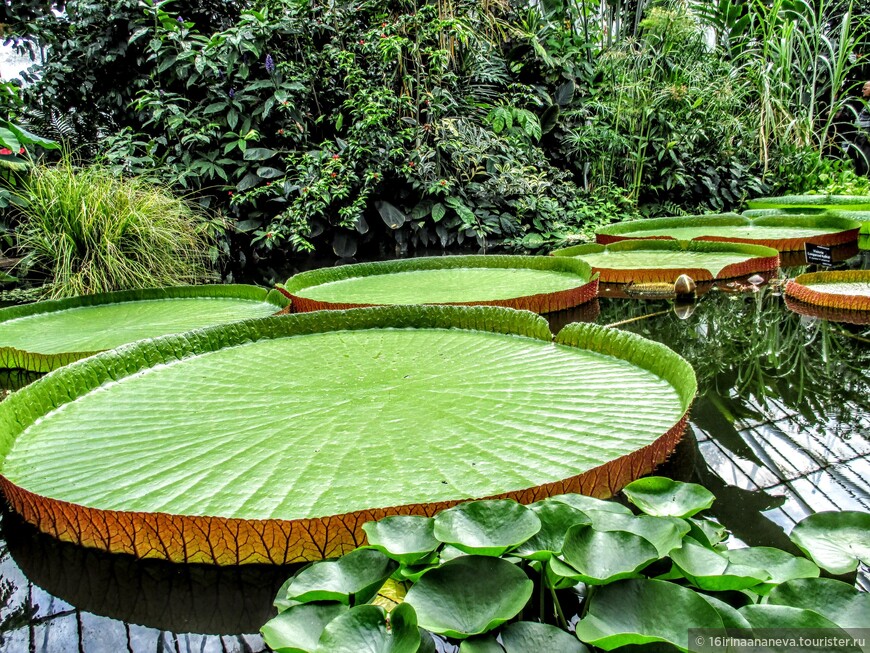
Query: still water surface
x,y
780,429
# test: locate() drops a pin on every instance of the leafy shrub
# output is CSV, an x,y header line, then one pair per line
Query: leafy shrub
x,y
91,232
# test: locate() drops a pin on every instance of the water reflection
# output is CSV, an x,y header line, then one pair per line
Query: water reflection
x,y
780,428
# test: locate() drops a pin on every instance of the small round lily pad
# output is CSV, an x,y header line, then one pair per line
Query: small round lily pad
x,y
844,290
648,260
540,284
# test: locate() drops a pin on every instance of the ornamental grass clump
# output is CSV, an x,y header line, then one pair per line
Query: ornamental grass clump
x,y
91,232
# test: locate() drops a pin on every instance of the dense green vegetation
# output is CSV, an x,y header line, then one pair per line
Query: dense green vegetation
x,y
394,125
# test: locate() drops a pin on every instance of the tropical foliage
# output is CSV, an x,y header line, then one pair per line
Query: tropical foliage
x,y
501,577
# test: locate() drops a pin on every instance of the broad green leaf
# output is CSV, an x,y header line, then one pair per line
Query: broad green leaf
x,y
298,629
46,335
641,611
201,437
780,565
556,518
836,541
481,644
470,595
441,279
665,260
529,637
584,503
486,527
794,620
662,497
351,579
363,629
392,216
602,557
838,601
707,532
710,570
405,538
259,154
559,574
851,202
731,617
773,231
665,533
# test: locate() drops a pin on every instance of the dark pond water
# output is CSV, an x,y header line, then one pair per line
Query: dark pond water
x,y
780,429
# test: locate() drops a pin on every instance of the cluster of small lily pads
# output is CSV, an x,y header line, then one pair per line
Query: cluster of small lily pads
x,y
568,573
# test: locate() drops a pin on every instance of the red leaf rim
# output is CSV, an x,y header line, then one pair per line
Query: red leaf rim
x,y
804,288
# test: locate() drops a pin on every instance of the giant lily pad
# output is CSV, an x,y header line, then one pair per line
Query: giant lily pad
x,y
43,336
537,283
276,439
843,290
643,261
784,233
793,202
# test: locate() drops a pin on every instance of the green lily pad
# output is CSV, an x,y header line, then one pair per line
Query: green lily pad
x,y
351,579
838,601
731,617
662,497
481,644
784,233
707,531
486,527
43,336
583,503
835,541
822,201
469,596
363,629
298,629
664,260
665,533
844,290
174,447
529,637
602,557
780,565
710,570
556,518
537,283
641,611
405,538
785,618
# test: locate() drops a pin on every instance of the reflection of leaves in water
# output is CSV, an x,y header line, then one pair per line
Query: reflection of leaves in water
x,y
19,616
747,350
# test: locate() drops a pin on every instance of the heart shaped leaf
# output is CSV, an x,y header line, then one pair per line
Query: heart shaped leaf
x,y
405,538
662,497
298,629
836,541
710,570
363,629
486,527
641,611
780,565
529,637
665,533
352,579
838,601
470,595
602,557
556,518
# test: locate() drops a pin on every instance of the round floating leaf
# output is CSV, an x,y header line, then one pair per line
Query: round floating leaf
x,y
838,601
556,518
784,233
528,637
46,335
651,261
780,565
486,527
537,283
602,557
836,541
481,644
781,617
794,202
710,570
363,629
662,497
707,531
665,533
352,579
298,629
583,503
640,611
470,595
174,448
731,617
406,538
846,290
